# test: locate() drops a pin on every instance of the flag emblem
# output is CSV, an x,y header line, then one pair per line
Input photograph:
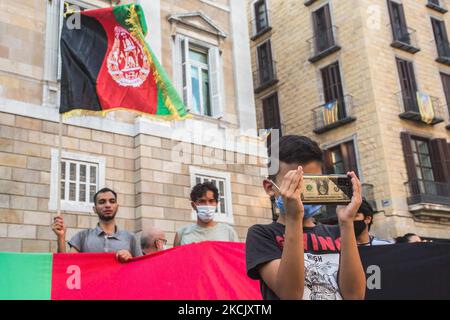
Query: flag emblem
x,y
127,63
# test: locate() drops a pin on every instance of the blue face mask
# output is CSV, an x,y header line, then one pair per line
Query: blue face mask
x,y
310,209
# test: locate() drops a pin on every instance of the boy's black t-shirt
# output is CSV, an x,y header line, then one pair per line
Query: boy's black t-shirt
x,y
322,246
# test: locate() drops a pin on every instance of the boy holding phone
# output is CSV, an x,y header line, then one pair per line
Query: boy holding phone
x,y
293,257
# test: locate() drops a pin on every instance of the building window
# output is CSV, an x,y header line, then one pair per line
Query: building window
x,y
323,31
222,181
261,16
398,22
422,159
440,36
81,177
332,89
404,38
201,77
341,159
428,169
408,85
198,60
337,109
266,66
271,112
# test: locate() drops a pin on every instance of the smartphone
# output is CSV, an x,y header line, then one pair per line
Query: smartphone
x,y
333,189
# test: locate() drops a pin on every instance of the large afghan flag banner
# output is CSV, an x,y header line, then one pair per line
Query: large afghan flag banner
x,y
207,271
107,65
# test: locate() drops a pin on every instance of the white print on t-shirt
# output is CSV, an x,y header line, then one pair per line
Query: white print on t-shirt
x,y
321,277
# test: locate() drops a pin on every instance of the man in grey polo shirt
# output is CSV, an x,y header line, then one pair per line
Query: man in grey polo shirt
x,y
105,237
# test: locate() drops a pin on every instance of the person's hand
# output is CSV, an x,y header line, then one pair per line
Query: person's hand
x,y
58,227
123,255
348,213
291,189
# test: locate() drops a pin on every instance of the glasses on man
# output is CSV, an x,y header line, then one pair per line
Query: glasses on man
x,y
163,240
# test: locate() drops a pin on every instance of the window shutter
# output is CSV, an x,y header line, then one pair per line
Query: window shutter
x,y
186,72
409,160
438,36
215,75
394,25
316,30
351,157
440,159
328,162
271,112
446,85
328,26
176,65
268,120
408,84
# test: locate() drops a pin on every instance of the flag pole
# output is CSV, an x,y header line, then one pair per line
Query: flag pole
x,y
58,189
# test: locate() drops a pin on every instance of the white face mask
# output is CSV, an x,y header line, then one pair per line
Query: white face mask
x,y
206,213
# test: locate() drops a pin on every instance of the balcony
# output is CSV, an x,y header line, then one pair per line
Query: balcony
x,y
265,77
260,27
405,40
410,108
323,44
421,192
333,114
437,5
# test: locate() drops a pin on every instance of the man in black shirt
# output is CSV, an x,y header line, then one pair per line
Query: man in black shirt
x,y
293,257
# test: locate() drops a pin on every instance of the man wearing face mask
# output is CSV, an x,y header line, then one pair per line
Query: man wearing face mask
x,y
294,258
363,222
204,200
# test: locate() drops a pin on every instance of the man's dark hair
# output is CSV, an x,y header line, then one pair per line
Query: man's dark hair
x,y
200,189
401,239
367,210
104,190
405,238
297,149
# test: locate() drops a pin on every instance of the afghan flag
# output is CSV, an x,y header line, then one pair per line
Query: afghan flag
x,y
107,65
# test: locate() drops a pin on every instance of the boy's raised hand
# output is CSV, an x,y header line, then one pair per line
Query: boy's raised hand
x,y
348,213
291,189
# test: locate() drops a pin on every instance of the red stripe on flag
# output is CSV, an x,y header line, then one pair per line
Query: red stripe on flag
x,y
125,79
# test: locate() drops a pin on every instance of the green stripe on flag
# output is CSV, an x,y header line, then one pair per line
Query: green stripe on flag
x,y
25,276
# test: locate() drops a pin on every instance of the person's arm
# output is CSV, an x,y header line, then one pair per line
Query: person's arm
x,y
136,250
286,276
59,229
176,241
352,279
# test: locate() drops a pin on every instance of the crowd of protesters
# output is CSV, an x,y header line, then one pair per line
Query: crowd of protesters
x,y
280,254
